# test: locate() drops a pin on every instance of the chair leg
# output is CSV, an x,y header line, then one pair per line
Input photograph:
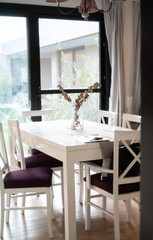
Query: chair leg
x,y
52,209
7,205
49,212
128,210
87,206
62,189
137,200
23,203
87,200
53,178
53,181
103,205
81,183
2,215
116,220
15,200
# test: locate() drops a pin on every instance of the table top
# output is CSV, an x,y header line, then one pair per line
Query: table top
x,y
58,134
59,131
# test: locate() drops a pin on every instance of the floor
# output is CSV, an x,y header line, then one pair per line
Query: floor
x,y
33,224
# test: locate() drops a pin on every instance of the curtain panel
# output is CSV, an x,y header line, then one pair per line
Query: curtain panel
x,y
123,26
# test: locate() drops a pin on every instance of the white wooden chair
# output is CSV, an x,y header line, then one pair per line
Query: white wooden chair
x,y
131,121
25,182
104,117
45,115
119,186
37,115
107,117
18,161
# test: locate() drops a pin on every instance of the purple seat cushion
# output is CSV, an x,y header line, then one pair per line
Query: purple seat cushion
x,y
35,151
42,160
107,184
49,161
29,178
98,162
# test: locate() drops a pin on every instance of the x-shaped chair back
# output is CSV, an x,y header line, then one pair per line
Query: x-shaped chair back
x,y
122,140
131,121
15,145
45,115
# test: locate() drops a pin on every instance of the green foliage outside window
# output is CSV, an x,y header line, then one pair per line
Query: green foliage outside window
x,y
80,78
5,88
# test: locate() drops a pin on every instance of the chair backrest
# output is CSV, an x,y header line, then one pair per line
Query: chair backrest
x,y
131,121
15,145
4,166
122,139
110,116
45,115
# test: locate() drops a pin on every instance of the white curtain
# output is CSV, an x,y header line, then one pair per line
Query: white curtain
x,y
137,58
122,25
113,25
131,56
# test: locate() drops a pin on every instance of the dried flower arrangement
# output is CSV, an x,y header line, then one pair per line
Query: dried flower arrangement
x,y
82,97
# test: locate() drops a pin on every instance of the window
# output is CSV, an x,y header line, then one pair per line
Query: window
x,y
48,53
69,58
13,68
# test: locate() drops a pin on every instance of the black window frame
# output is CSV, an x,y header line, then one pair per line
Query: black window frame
x,y
33,13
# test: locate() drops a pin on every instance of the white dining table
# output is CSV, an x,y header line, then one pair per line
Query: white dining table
x,y
56,139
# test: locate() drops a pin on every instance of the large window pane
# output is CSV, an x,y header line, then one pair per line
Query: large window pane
x,y
69,53
69,56
13,68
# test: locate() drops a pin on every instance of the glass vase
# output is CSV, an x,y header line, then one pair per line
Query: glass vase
x,y
77,118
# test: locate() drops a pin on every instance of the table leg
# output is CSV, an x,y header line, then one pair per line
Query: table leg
x,y
69,200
